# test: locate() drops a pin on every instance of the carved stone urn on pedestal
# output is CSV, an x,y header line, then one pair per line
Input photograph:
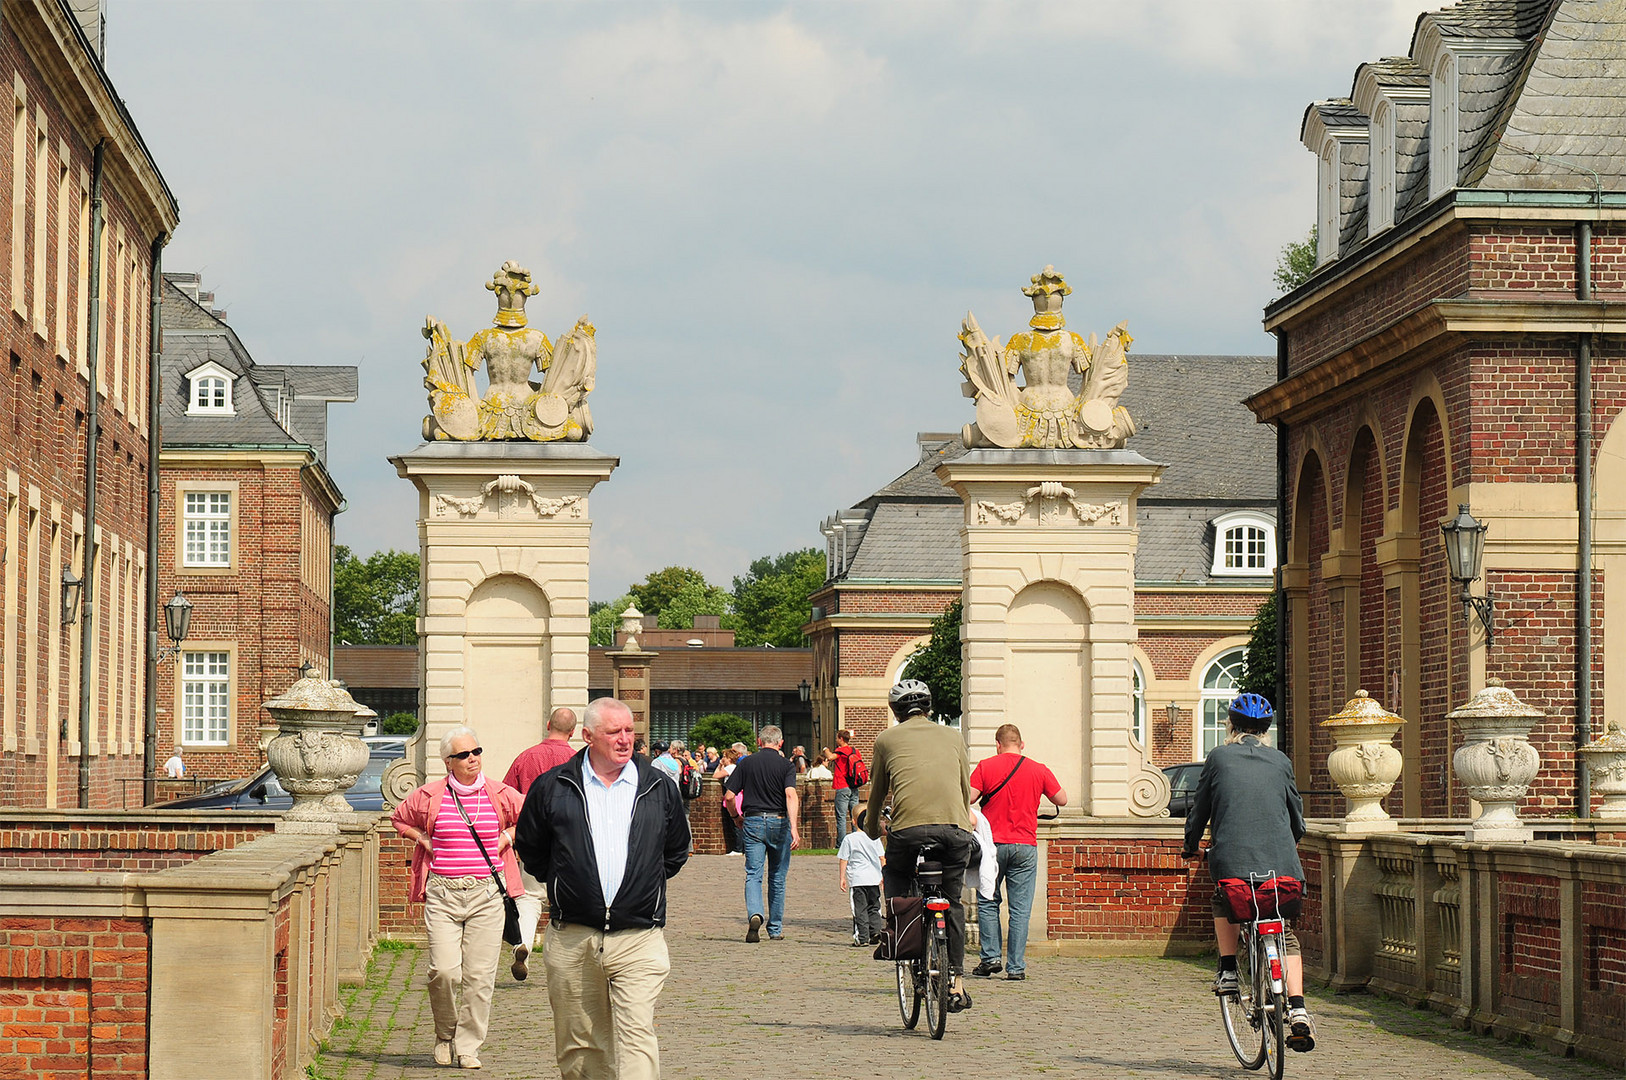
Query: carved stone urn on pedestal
x,y
316,754
1496,761
1364,764
1606,763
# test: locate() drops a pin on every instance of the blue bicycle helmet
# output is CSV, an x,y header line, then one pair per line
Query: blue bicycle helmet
x,y
1251,713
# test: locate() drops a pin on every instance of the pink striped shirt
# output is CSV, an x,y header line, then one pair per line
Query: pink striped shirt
x,y
455,852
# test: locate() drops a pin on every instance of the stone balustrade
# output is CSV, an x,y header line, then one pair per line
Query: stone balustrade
x,y
158,931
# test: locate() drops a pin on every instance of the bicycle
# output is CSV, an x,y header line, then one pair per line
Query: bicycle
x,y
1255,1015
926,978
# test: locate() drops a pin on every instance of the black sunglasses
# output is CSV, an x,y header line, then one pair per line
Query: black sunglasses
x,y
460,755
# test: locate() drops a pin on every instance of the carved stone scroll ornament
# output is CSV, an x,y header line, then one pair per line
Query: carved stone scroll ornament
x,y
510,492
1048,492
1044,412
513,406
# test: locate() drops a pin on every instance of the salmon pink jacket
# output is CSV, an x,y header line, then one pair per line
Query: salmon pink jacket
x,y
419,810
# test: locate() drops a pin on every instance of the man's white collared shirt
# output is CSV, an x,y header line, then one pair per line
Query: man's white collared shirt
x,y
609,822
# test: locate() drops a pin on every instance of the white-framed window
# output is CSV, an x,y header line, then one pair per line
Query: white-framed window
x,y
205,698
1244,546
211,391
1443,126
1139,704
206,518
1221,678
1380,196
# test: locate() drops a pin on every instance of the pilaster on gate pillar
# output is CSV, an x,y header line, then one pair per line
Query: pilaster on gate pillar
x,y
503,530
631,685
1048,548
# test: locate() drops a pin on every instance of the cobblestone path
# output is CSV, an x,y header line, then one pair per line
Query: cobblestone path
x,y
811,1005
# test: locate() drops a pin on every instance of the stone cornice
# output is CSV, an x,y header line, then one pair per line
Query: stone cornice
x,y
1419,337
54,43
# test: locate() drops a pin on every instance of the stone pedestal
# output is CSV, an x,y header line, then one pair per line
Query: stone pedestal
x,y
502,531
630,674
1048,548
1496,761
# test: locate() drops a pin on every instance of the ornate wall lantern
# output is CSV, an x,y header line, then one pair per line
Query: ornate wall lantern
x,y
1465,554
805,691
72,589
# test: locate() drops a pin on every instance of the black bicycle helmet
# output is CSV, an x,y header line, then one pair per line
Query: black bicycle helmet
x,y
909,697
1251,713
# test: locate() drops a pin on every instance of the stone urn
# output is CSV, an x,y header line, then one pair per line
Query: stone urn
x,y
1606,764
1364,763
317,753
1496,761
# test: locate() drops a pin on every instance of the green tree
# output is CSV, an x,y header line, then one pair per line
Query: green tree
x,y
605,619
938,663
771,599
398,723
375,601
1295,263
1259,663
662,586
694,598
722,729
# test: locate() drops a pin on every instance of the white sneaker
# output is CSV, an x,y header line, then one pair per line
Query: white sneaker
x,y
443,1052
1301,1030
468,1061
1226,983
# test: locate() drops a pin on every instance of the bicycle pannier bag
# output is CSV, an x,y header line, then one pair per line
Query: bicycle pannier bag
x,y
905,935
1276,896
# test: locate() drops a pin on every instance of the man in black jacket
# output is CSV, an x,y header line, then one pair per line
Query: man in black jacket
x,y
604,831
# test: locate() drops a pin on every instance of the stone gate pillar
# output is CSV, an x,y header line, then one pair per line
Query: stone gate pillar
x,y
502,530
1048,547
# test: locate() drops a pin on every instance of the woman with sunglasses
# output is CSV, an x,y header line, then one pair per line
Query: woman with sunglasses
x,y
462,829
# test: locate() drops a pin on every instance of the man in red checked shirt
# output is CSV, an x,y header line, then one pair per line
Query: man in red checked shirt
x,y
552,751
1007,788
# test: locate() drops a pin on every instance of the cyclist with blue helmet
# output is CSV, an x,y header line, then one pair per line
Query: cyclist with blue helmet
x,y
1248,796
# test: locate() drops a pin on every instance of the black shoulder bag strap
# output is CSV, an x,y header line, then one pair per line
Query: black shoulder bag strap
x,y
990,794
478,842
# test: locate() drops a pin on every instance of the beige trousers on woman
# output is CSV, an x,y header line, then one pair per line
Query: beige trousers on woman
x,y
603,987
465,943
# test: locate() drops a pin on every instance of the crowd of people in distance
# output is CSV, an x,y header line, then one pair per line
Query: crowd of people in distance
x,y
602,828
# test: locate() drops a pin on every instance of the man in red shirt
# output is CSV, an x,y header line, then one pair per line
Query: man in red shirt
x,y
1007,787
846,779
552,751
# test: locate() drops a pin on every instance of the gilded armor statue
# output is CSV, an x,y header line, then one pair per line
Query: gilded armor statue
x,y
513,406
1044,412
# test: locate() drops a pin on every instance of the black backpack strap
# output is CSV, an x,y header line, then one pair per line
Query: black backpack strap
x,y
990,794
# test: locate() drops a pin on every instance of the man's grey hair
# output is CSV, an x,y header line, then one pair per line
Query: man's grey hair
x,y
739,747
675,746
456,733
770,736
598,707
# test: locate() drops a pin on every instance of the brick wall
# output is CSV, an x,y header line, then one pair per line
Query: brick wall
x,y
62,979
398,916
142,845
1119,892
1603,951
817,822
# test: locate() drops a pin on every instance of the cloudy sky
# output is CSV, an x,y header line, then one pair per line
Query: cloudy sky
x,y
776,215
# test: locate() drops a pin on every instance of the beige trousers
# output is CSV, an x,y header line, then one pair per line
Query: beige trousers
x,y
530,907
465,943
603,987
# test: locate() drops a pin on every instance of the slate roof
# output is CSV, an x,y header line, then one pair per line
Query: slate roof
x,y
1188,414
193,336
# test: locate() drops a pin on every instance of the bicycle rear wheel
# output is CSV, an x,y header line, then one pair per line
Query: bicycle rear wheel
x,y
1273,1014
908,994
937,984
1240,1011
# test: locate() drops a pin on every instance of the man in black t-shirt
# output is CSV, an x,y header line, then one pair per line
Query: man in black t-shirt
x,y
767,822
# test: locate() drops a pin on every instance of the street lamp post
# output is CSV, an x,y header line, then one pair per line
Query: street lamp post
x,y
1465,555
177,624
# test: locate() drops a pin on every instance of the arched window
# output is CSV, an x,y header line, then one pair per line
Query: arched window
x,y
1221,679
1139,705
1244,546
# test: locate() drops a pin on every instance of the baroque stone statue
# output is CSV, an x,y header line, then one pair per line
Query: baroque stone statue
x,y
514,407
1044,412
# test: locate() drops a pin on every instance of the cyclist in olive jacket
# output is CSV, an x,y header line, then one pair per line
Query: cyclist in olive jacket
x,y
604,831
1248,793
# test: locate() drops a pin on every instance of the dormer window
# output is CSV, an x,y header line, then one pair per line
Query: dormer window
x,y
211,391
1443,126
1380,206
1244,546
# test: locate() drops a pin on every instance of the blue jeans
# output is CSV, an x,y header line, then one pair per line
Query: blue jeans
x,y
846,800
770,837
1018,873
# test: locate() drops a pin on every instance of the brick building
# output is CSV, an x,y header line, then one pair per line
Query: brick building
x,y
1460,343
63,109
247,507
1204,564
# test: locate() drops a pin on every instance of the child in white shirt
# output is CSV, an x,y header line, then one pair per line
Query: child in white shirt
x,y
858,866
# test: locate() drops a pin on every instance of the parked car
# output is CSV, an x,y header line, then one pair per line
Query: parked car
x,y
262,791
1182,786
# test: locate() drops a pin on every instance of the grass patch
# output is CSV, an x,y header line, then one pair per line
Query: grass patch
x,y
814,851
389,944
